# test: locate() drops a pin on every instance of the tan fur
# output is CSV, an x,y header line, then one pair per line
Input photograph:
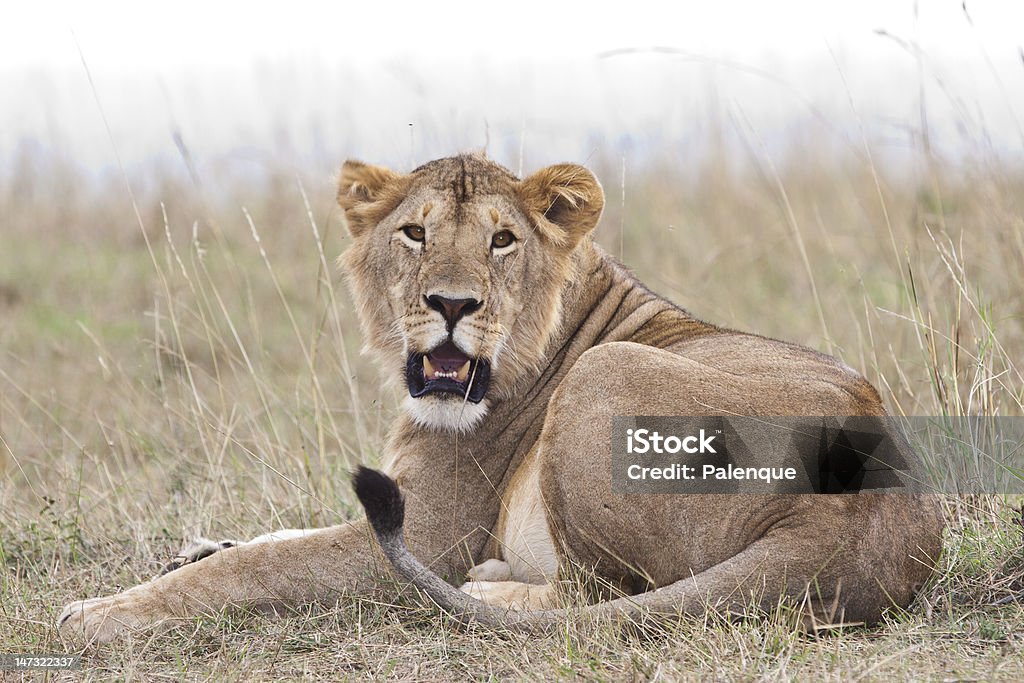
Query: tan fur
x,y
512,594
513,491
523,539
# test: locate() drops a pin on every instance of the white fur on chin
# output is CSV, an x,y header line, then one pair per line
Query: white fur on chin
x,y
445,414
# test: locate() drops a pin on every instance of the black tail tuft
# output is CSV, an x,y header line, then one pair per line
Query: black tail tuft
x,y
383,502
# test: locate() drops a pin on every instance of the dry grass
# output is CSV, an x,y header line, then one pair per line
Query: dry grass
x,y
200,374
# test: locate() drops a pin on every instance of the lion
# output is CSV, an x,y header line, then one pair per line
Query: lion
x,y
517,340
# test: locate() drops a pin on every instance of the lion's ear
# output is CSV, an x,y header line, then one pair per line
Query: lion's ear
x,y
565,195
360,187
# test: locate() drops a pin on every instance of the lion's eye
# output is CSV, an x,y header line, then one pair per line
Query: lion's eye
x,y
414,232
502,239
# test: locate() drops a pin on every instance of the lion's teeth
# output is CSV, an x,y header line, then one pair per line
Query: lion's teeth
x,y
430,372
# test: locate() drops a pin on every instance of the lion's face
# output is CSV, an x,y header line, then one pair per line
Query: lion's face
x,y
457,269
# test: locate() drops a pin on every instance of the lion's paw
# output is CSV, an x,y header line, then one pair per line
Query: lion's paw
x,y
197,549
511,595
490,570
101,620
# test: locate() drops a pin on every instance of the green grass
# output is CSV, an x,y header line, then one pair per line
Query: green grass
x,y
167,381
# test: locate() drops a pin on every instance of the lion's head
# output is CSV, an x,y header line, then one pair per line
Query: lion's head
x,y
457,269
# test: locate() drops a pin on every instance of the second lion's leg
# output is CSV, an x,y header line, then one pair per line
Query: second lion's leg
x,y
200,548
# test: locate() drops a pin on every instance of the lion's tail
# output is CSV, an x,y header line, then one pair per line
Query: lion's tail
x,y
385,509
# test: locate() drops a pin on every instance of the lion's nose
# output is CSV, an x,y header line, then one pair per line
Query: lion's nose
x,y
452,309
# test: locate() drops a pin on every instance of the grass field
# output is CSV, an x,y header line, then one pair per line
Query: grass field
x,y
196,369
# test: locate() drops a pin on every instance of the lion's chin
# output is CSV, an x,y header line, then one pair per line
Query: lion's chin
x,y
445,413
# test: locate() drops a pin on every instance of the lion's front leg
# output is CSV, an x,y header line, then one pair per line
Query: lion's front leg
x,y
317,567
101,620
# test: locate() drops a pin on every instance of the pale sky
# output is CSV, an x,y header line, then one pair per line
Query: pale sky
x,y
350,77
148,35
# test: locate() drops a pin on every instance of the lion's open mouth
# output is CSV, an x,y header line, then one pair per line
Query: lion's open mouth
x,y
447,370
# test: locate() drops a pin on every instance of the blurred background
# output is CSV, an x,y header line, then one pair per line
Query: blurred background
x,y
249,84
177,353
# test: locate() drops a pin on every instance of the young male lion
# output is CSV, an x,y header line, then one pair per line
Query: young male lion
x,y
518,340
